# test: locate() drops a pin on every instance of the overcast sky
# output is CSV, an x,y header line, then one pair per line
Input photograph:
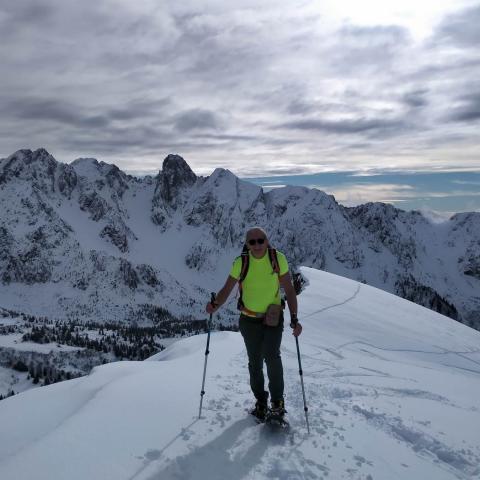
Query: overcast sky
x,y
261,88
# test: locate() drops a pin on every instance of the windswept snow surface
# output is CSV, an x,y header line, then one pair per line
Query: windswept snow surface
x,y
392,390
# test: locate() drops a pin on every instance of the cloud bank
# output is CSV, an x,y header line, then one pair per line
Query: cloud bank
x,y
259,88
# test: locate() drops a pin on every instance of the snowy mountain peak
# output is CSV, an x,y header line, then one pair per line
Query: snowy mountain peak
x,y
27,164
85,161
176,174
467,218
28,156
91,167
225,183
222,173
102,174
39,156
39,170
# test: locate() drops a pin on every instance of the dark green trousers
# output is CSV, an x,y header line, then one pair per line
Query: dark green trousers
x,y
263,344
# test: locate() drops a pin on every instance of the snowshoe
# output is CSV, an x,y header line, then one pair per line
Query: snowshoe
x,y
276,414
260,411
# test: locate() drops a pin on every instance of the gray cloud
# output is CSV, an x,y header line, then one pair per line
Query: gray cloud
x,y
140,109
68,113
305,106
347,127
196,119
298,106
266,83
220,137
469,111
25,12
368,49
461,29
416,98
36,109
374,36
450,68
279,170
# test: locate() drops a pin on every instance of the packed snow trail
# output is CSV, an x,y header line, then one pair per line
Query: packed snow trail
x,y
392,390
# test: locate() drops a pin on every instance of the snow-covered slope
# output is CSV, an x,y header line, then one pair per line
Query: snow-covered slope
x,y
392,389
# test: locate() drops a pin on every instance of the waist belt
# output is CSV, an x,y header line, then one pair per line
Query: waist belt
x,y
251,313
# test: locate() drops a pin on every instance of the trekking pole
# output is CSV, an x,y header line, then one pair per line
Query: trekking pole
x,y
202,393
303,388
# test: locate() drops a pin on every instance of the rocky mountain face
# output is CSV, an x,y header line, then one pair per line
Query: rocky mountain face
x,y
87,241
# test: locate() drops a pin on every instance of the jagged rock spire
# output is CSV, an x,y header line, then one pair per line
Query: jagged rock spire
x,y
175,175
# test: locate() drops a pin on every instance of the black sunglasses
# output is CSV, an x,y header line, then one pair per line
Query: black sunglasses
x,y
254,241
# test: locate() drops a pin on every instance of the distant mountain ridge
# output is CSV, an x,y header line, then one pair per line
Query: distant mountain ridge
x,y
86,240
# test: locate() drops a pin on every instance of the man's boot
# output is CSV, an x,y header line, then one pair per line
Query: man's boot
x,y
278,409
261,408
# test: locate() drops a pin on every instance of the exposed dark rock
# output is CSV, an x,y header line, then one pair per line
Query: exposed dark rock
x,y
414,291
117,180
94,204
472,266
199,257
6,242
176,174
98,260
29,267
128,274
67,180
148,275
38,167
117,234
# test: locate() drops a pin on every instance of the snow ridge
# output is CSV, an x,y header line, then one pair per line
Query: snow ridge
x,y
392,391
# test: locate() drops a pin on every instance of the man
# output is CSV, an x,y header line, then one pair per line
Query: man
x,y
259,289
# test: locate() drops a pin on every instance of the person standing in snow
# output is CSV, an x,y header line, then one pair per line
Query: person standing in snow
x,y
260,272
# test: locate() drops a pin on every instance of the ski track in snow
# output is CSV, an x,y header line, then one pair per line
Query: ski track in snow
x,y
241,449
245,449
324,309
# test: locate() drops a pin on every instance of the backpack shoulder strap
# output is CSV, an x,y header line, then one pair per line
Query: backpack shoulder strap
x,y
245,264
243,273
272,255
